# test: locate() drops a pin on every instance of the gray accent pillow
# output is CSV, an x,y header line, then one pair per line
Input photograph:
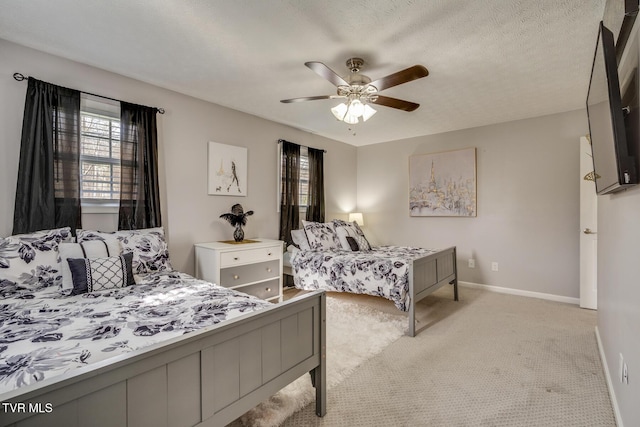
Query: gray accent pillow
x,y
87,249
351,229
99,274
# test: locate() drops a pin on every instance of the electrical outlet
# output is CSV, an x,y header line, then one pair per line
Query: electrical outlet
x,y
472,263
625,374
494,266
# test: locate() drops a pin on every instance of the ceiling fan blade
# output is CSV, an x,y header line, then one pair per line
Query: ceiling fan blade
x,y
327,73
395,103
311,98
404,76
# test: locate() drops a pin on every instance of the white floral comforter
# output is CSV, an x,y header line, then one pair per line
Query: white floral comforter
x,y
44,334
382,271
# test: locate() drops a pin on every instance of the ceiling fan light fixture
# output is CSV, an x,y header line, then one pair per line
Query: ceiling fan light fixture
x,y
367,113
356,108
351,112
339,111
350,119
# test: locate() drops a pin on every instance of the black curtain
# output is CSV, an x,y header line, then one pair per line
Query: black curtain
x,y
139,189
48,186
315,209
289,203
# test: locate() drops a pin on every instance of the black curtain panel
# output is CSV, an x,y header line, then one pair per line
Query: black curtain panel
x,y
315,209
290,201
48,185
139,189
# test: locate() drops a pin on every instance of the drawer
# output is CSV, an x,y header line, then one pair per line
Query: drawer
x,y
263,290
248,256
235,276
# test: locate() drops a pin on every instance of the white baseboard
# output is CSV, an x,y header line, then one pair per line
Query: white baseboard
x,y
607,374
522,293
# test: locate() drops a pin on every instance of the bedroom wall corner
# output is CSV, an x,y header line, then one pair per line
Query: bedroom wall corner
x,y
527,202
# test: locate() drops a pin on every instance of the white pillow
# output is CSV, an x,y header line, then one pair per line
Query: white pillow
x,y
321,235
150,251
87,249
300,239
29,262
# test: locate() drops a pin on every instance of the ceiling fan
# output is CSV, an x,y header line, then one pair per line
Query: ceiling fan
x,y
359,91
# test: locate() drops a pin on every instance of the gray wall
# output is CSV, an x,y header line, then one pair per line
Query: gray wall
x,y
189,214
619,276
528,202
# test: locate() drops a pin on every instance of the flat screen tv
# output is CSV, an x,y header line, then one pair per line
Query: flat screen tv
x,y
613,162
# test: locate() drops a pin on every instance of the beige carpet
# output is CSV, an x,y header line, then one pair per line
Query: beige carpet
x,y
488,360
355,333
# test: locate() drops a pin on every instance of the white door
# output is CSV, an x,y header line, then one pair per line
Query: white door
x,y
588,231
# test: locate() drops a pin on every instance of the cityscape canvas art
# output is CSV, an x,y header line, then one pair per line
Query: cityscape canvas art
x,y
443,184
227,170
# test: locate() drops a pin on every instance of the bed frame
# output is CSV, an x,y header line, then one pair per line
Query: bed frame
x,y
205,378
428,274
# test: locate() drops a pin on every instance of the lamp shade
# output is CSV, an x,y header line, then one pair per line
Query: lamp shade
x,y
357,217
352,111
339,111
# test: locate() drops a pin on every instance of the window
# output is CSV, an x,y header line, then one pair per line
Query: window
x,y
303,188
303,184
99,152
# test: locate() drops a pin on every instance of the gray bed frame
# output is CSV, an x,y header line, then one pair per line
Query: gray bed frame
x,y
428,274
204,378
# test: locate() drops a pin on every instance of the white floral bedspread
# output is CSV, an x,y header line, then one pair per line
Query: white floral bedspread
x,y
382,271
44,334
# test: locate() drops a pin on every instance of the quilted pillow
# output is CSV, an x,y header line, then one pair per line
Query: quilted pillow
x,y
321,235
100,274
350,229
88,249
30,261
150,251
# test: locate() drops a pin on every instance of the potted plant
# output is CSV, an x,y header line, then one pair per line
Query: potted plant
x,y
237,218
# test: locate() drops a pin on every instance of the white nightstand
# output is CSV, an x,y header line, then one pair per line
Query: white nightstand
x,y
252,268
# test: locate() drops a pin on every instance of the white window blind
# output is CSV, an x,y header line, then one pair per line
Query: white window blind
x,y
100,151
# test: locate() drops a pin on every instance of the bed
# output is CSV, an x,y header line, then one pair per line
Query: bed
x,y
167,350
337,257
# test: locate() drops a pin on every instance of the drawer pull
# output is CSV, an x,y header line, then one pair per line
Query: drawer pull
x,y
268,270
235,276
268,289
269,254
235,258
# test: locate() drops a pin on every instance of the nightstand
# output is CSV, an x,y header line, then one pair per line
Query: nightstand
x,y
252,268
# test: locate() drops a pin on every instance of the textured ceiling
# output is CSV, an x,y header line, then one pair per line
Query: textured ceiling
x,y
490,61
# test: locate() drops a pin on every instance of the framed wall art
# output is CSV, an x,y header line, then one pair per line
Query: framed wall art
x,y
443,184
227,170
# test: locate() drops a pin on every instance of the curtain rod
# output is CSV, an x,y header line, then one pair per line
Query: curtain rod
x,y
20,77
282,140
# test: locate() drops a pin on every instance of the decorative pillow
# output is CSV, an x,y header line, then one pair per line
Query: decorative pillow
x,y
99,274
321,235
300,239
346,233
150,251
350,229
31,261
353,244
88,249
